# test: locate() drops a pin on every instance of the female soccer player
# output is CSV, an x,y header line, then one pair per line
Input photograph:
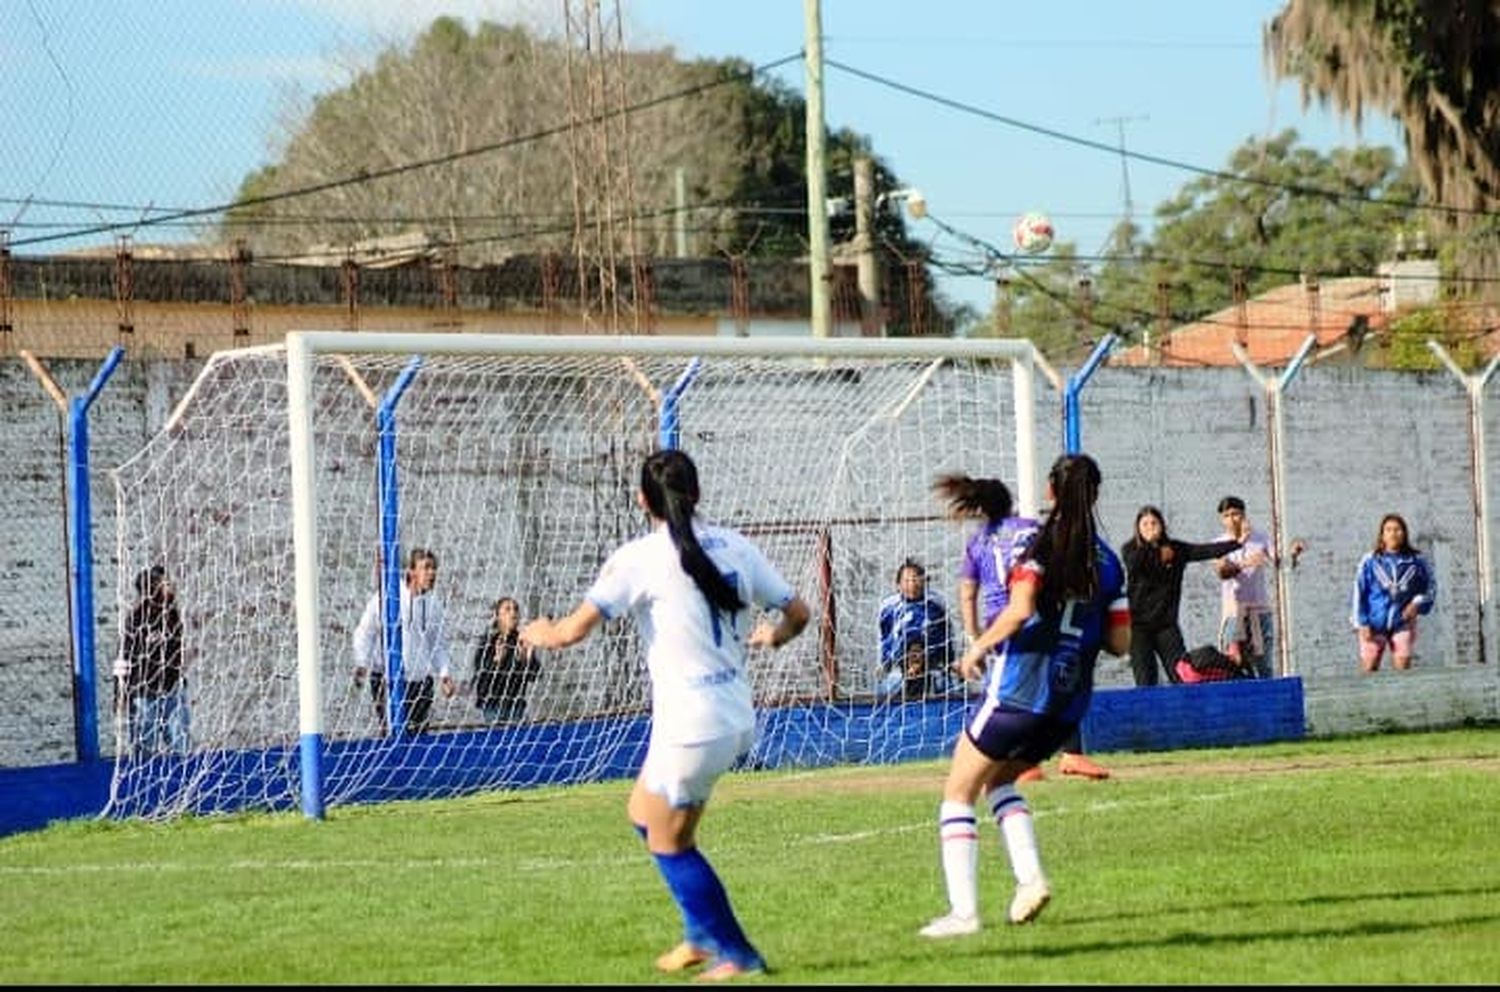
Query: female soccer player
x,y
1067,600
1393,586
691,587
982,594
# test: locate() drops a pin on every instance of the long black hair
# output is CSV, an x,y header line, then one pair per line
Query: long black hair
x,y
967,497
1066,542
669,481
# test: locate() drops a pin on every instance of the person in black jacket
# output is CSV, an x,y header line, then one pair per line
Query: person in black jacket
x,y
1154,564
149,668
503,667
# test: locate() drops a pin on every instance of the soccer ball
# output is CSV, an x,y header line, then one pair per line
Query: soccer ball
x,y
1033,233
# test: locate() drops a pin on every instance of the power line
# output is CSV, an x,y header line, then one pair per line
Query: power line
x,y
365,176
1297,188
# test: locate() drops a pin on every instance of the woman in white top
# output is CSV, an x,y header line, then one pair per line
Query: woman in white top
x,y
691,587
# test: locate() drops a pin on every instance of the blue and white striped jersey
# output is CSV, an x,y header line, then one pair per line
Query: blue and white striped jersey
x,y
1048,665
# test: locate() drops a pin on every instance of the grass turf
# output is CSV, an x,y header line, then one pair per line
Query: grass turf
x,y
1372,860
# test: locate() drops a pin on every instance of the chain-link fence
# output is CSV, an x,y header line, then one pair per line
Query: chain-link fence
x,y
1357,444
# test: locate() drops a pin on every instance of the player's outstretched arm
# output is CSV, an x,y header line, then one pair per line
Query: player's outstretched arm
x,y
794,617
544,632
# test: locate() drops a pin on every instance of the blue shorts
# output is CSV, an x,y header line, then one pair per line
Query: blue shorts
x,y
1003,733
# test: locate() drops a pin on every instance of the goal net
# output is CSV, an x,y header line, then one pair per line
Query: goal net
x,y
291,482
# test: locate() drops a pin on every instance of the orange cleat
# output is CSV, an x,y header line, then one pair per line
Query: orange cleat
x,y
1077,764
681,958
724,970
1032,774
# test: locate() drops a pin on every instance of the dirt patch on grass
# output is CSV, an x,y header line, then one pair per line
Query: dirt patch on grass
x,y
928,777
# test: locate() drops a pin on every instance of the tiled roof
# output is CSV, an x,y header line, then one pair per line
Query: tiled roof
x,y
1271,328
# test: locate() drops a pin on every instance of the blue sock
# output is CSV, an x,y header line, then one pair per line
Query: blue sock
x,y
692,932
702,898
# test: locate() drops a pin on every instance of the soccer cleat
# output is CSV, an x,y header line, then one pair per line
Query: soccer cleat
x,y
681,958
1032,774
1077,764
952,925
1029,901
727,969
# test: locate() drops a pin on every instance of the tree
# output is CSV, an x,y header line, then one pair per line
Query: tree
x,y
519,143
1277,210
1435,66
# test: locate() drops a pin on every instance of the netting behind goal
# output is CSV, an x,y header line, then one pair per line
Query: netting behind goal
x,y
519,471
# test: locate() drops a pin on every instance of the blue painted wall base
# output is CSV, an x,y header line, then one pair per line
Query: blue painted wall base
x,y
1208,714
1217,714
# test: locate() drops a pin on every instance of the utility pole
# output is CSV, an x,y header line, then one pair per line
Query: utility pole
x,y
680,217
864,239
817,174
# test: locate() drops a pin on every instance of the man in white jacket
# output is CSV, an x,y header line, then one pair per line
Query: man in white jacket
x,y
424,645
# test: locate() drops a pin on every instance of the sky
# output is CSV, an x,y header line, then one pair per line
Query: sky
x,y
119,112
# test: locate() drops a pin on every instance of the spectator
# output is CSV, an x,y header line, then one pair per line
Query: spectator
x,y
149,669
1393,586
424,645
916,652
1247,626
1154,564
504,668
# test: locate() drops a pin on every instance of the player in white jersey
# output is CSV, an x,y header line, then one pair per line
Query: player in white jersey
x,y
692,588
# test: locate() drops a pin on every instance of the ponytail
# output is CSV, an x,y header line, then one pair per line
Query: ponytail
x,y
669,481
1065,545
966,497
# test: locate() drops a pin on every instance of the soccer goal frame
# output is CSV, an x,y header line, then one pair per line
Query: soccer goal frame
x,y
303,348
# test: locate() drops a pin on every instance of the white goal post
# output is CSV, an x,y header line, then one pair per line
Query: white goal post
x,y
290,484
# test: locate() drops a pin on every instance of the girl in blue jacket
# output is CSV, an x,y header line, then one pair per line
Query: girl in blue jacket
x,y
1393,587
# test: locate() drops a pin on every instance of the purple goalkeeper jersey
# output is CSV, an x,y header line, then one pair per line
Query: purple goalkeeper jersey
x,y
988,558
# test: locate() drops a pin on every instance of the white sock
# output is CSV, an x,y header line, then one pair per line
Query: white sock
x,y
1015,821
960,843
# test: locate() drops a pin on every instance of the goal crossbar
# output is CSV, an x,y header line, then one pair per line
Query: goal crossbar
x,y
304,347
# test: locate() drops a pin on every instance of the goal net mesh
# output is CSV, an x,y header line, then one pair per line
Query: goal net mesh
x,y
520,474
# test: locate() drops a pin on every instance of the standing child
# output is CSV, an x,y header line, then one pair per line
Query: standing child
x,y
692,588
1393,586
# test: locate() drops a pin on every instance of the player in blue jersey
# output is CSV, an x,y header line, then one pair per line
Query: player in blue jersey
x,y
692,588
1067,601
982,593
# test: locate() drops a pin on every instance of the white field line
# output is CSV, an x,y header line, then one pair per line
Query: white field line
x,y
550,864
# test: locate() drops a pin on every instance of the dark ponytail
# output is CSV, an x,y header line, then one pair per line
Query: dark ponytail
x,y
669,481
967,497
1065,545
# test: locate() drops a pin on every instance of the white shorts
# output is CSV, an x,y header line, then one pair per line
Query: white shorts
x,y
684,774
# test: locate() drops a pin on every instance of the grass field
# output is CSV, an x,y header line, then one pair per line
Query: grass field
x,y
1361,861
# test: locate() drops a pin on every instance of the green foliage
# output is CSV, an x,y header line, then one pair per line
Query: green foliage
x,y
1407,346
742,141
1266,216
1297,863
